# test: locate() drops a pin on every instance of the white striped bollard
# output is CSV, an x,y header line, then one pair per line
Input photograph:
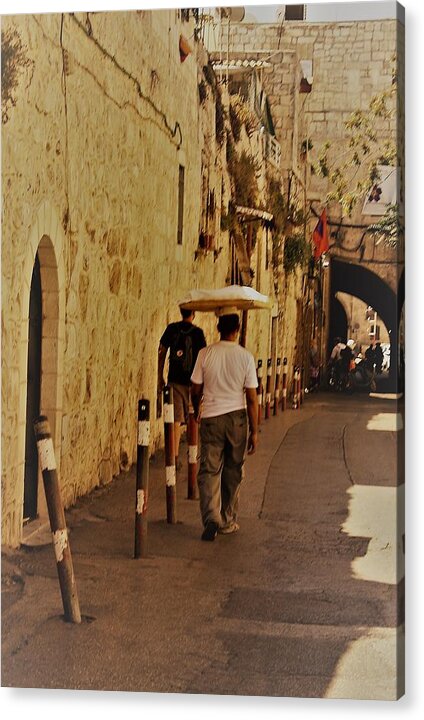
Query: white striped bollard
x,y
284,390
299,388
142,479
260,390
170,472
58,527
192,441
277,386
295,404
268,389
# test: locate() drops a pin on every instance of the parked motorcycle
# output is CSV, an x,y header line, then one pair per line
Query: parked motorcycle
x,y
362,377
338,378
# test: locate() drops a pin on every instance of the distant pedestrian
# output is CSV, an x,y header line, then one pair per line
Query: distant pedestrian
x,y
337,348
184,340
224,382
378,358
370,356
335,356
314,367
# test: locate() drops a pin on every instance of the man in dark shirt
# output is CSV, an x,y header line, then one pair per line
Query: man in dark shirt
x,y
184,340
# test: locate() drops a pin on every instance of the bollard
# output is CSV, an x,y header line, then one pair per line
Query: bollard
x,y
284,390
277,386
171,477
299,388
259,391
142,479
61,546
192,441
302,389
268,389
295,404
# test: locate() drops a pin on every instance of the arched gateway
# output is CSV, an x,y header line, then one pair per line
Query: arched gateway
x,y
356,280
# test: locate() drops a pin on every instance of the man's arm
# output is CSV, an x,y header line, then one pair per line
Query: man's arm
x,y
252,412
161,364
196,392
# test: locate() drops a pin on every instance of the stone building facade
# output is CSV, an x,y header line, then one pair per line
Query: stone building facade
x,y
104,149
321,73
114,186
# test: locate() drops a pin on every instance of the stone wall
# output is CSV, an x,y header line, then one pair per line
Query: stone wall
x,y
90,163
351,63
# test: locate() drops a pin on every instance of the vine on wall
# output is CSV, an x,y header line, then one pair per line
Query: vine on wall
x,y
14,62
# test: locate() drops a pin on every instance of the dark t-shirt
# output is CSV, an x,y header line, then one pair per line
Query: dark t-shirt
x,y
175,333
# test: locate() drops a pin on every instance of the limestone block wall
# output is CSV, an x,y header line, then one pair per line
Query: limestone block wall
x,y
90,162
352,62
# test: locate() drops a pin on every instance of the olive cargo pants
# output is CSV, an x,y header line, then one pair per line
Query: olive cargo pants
x,y
222,454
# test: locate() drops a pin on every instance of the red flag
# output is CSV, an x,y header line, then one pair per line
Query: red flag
x,y
320,237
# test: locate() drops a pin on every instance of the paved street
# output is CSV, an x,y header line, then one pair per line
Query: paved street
x,y
304,601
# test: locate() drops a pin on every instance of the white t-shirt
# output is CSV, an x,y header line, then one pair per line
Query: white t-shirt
x,y
224,369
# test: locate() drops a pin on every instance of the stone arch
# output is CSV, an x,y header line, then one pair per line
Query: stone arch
x,y
47,239
364,284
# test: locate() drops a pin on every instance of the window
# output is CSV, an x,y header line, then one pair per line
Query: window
x,y
294,12
180,205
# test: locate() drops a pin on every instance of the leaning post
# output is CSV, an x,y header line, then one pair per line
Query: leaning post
x,y
170,472
58,527
142,479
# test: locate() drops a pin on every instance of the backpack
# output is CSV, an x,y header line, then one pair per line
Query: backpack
x,y
181,351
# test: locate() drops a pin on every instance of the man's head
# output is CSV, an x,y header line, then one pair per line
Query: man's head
x,y
337,340
228,325
187,315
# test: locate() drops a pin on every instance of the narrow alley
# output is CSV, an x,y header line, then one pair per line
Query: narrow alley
x,y
307,593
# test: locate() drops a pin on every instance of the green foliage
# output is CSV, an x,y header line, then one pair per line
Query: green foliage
x,y
242,116
276,205
14,61
235,123
297,252
389,229
353,172
243,173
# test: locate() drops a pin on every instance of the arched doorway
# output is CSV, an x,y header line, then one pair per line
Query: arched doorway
x,y
367,286
33,394
43,377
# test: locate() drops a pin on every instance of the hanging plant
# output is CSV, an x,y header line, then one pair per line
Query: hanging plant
x,y
235,124
297,252
243,172
276,205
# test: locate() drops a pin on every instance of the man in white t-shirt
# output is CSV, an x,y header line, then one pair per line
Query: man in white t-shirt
x,y
223,393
